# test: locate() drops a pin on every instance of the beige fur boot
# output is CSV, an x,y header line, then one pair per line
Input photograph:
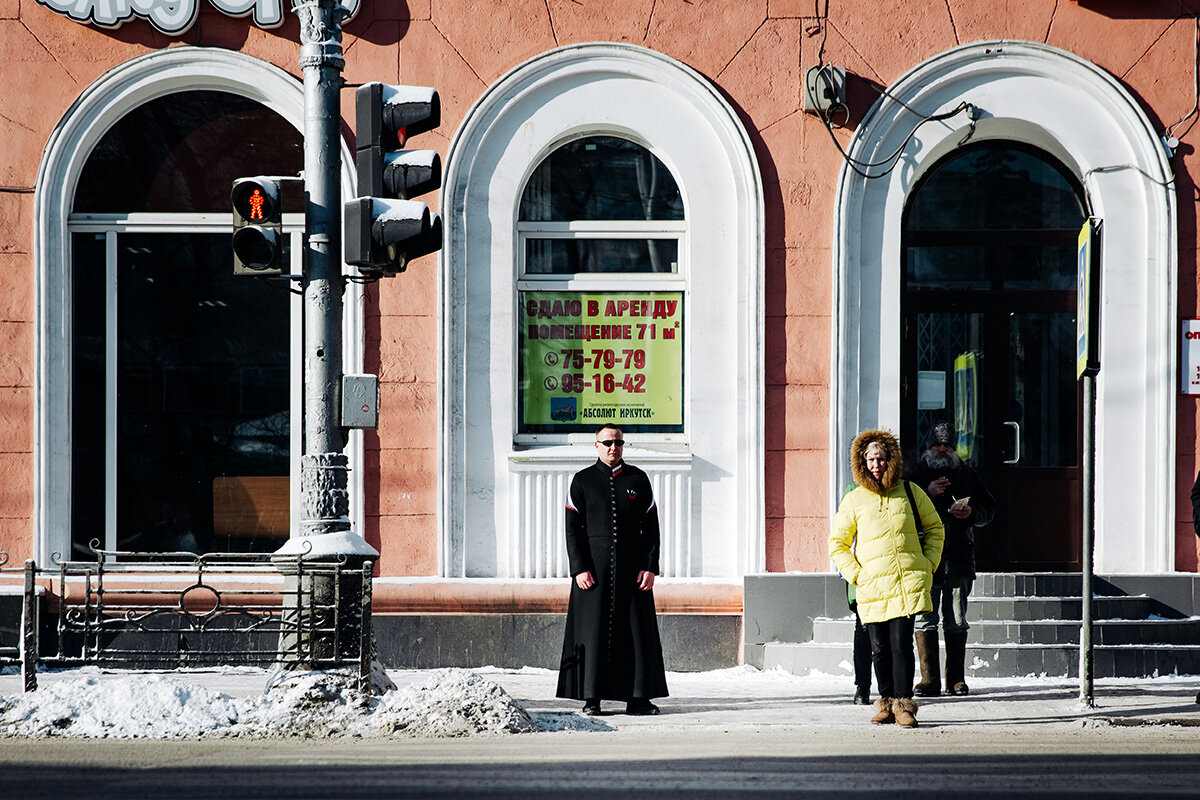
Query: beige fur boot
x,y
883,712
905,711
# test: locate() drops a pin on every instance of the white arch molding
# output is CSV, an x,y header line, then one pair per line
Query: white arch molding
x,y
1058,101
98,108
673,111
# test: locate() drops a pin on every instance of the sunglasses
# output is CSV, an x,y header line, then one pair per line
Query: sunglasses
x,y
611,443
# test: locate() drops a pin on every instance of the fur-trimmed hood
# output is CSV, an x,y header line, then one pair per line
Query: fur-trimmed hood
x,y
858,461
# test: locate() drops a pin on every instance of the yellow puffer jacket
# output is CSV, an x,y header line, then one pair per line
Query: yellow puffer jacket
x,y
874,540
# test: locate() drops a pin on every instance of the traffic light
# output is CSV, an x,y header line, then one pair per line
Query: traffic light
x,y
384,227
257,226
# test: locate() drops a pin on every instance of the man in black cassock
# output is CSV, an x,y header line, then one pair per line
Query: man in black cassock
x,y
611,649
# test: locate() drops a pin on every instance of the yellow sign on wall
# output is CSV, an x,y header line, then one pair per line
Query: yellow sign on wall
x,y
593,357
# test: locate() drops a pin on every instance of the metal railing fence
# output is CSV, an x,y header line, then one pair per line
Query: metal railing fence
x,y
177,610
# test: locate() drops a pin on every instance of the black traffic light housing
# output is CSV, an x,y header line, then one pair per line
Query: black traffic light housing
x,y
257,226
384,227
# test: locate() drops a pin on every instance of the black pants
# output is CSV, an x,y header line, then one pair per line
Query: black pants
x,y
862,652
892,654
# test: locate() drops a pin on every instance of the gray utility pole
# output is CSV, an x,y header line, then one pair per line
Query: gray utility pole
x,y
323,477
327,608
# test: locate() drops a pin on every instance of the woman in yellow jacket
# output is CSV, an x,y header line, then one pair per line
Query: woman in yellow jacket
x,y
876,546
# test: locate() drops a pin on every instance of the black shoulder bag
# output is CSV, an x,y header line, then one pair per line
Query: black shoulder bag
x,y
916,514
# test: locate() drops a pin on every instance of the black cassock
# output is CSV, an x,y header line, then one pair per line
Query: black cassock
x,y
611,649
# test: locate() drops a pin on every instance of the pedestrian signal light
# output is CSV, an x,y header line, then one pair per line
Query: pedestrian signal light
x,y
257,227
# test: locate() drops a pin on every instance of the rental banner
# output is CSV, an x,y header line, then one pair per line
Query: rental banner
x,y
593,357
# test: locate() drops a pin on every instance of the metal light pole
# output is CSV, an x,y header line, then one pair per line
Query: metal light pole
x,y
325,606
323,478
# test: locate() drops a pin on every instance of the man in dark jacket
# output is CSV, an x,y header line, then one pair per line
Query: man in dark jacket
x,y
611,649
964,504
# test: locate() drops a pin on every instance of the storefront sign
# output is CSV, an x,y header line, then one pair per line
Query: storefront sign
x,y
1190,362
172,17
1087,312
966,403
591,358
931,389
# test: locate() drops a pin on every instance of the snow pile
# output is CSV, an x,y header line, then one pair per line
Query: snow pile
x,y
149,706
444,703
452,702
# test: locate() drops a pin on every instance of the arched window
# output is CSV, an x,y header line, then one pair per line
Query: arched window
x,y
180,372
994,216
605,213
604,218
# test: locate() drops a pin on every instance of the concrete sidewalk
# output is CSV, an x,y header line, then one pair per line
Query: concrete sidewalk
x,y
746,699
733,733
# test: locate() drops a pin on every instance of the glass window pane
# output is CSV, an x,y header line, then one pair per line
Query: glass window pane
x,y
1043,394
88,417
181,152
942,340
587,358
601,178
996,187
1039,267
570,256
948,268
203,400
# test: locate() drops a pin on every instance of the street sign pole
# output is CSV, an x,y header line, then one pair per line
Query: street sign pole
x,y
1087,322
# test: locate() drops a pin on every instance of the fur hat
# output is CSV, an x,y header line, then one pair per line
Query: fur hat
x,y
858,461
942,432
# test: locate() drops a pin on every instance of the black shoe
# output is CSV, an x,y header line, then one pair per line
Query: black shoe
x,y
641,708
862,696
592,708
1198,697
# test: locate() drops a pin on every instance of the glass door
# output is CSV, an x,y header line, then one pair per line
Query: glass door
x,y
1038,468
1005,378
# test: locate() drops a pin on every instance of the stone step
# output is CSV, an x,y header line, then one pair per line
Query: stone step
x,y
988,607
1126,607
1005,660
1045,631
1033,584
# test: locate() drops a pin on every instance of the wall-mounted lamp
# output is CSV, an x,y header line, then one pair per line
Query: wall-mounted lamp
x,y
824,89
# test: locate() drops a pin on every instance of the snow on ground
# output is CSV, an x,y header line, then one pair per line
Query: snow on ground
x,y
490,701
442,703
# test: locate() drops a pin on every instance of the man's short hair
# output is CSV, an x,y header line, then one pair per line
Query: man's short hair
x,y
608,426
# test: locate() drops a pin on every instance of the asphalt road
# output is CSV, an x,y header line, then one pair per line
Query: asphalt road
x,y
735,734
764,763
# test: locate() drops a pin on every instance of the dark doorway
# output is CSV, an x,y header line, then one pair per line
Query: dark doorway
x,y
988,302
